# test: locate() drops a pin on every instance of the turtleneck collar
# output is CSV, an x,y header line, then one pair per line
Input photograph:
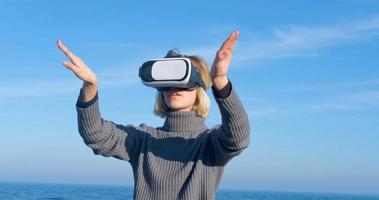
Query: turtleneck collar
x,y
183,121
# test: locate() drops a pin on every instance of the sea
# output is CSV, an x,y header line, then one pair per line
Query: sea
x,y
63,191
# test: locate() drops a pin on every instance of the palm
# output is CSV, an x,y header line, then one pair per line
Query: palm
x,y
224,56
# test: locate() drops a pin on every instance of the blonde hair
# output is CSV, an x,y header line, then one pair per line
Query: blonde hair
x,y
202,102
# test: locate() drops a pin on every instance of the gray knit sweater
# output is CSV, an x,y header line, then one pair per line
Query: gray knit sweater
x,y
183,159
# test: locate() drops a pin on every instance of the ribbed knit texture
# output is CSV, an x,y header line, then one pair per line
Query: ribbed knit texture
x,y
183,159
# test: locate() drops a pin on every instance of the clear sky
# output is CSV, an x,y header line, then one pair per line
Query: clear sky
x,y
306,72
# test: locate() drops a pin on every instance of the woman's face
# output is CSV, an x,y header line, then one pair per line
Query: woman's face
x,y
178,100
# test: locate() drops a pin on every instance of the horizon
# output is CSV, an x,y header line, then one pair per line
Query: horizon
x,y
225,189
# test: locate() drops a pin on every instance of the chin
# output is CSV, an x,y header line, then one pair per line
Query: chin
x,y
175,106
178,104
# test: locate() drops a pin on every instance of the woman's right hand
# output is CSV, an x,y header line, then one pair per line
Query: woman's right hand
x,y
80,69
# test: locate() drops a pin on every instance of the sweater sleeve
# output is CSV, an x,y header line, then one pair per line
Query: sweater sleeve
x,y
81,104
224,92
233,135
105,137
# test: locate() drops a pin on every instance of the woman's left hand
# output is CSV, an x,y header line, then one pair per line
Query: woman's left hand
x,y
221,62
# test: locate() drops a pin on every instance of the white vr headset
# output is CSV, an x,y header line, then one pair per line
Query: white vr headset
x,y
168,73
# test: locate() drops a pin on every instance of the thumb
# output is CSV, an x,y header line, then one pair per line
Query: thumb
x,y
69,65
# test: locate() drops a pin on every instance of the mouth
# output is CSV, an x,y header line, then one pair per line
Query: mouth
x,y
174,94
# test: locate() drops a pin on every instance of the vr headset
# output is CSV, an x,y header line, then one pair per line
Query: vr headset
x,y
170,73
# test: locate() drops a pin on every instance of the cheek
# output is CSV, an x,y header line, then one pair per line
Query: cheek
x,y
193,97
185,101
190,98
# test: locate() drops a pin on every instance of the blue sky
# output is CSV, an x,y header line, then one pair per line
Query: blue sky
x,y
306,72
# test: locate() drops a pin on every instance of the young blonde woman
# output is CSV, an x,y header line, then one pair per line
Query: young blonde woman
x,y
183,159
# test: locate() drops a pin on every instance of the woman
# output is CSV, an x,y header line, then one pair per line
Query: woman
x,y
183,159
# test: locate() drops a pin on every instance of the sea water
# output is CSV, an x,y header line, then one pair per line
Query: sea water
x,y
58,191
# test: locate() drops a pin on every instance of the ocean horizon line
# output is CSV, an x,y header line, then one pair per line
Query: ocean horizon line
x,y
219,189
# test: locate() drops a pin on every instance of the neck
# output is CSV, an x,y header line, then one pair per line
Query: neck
x,y
183,121
187,109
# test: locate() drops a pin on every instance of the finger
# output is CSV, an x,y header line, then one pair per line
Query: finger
x,y
223,54
68,53
70,66
65,50
230,42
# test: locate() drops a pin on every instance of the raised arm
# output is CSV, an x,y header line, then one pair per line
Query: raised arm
x,y
102,136
233,135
